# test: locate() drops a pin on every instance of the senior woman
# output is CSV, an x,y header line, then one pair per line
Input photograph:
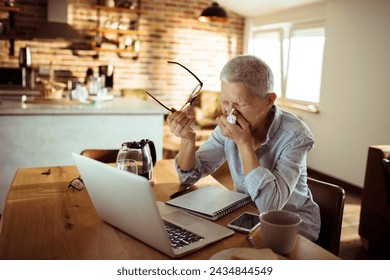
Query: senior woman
x,y
265,147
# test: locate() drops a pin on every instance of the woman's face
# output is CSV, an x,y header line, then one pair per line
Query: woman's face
x,y
253,108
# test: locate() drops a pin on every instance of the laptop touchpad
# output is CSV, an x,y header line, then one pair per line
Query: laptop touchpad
x,y
181,218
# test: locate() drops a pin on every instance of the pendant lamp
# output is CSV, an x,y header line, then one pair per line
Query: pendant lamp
x,y
213,13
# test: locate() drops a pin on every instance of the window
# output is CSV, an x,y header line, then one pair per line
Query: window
x,y
268,46
295,55
305,65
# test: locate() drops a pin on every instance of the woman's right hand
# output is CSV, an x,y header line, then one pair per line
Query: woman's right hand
x,y
180,125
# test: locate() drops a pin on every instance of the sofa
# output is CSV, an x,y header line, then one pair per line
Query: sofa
x,y
208,110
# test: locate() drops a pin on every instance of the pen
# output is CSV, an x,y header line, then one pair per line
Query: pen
x,y
252,241
180,192
250,237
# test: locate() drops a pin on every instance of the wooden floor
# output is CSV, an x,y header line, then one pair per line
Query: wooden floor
x,y
350,244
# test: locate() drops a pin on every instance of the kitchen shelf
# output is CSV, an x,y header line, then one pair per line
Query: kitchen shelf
x,y
118,31
114,50
119,40
9,9
118,10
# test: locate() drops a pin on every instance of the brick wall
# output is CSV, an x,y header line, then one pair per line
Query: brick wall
x,y
170,31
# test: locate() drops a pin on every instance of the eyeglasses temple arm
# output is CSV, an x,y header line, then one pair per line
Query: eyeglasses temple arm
x,y
170,110
201,84
194,97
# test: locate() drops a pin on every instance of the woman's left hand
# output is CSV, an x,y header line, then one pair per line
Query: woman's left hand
x,y
240,132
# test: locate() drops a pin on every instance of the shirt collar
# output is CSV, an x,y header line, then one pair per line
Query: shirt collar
x,y
275,123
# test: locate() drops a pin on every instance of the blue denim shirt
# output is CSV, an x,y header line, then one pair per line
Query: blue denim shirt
x,y
280,180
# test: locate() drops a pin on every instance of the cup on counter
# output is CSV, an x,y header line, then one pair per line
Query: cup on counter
x,y
127,164
278,229
79,93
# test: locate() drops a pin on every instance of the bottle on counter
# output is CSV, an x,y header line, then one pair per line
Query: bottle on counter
x,y
89,77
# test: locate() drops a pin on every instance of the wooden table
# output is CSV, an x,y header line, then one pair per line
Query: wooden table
x,y
44,219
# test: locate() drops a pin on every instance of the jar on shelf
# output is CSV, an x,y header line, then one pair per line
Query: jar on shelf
x,y
10,3
110,3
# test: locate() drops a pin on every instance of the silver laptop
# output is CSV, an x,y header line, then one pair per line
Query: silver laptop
x,y
127,202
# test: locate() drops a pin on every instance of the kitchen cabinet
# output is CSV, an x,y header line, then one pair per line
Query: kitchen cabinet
x,y
8,32
118,30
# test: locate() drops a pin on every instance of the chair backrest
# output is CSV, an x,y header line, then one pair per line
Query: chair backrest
x,y
134,92
374,224
330,198
103,155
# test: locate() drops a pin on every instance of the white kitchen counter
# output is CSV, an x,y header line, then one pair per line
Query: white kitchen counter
x,y
117,106
34,135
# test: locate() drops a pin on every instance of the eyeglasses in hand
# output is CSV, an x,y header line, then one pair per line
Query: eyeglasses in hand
x,y
77,184
195,92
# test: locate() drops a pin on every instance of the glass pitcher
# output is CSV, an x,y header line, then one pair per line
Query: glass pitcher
x,y
144,152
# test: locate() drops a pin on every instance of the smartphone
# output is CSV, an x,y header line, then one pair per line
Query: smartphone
x,y
246,222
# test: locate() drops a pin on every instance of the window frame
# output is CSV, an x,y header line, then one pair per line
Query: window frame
x,y
287,29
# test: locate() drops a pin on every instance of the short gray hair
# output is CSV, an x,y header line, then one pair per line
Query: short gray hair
x,y
250,71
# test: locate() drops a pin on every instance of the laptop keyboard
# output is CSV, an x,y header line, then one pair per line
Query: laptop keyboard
x,y
180,237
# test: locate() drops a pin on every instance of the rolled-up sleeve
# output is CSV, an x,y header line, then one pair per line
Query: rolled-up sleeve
x,y
271,188
208,158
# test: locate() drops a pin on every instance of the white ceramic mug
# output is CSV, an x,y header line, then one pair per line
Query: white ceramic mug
x,y
278,229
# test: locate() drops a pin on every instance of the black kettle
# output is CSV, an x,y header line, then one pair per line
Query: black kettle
x,y
144,152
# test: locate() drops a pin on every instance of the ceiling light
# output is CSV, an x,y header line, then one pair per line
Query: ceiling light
x,y
213,13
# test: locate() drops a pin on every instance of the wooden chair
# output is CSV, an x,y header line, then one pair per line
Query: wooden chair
x,y
330,198
374,225
103,155
223,176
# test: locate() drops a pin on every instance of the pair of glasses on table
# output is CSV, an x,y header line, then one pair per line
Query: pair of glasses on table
x,y
195,92
76,184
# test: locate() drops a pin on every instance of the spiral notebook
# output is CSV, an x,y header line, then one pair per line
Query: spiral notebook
x,y
210,202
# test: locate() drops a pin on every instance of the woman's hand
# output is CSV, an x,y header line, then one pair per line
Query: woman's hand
x,y
240,132
180,125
